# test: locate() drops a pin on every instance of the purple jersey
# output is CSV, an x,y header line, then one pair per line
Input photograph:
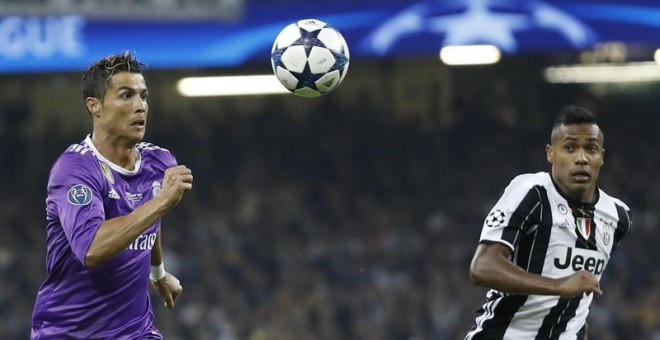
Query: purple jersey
x,y
110,301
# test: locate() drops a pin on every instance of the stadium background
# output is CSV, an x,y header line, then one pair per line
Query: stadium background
x,y
350,216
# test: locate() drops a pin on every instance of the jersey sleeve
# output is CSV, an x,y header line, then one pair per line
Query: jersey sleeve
x,y
74,194
514,215
624,225
163,157
168,159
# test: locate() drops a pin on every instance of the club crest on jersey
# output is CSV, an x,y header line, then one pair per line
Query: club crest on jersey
x,y
495,218
107,172
155,188
607,237
584,226
79,194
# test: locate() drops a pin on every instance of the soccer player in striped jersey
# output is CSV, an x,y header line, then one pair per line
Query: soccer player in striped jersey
x,y
546,242
106,196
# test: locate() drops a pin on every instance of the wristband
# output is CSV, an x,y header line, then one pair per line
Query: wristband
x,y
157,272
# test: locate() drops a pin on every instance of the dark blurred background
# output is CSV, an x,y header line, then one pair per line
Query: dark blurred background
x,y
353,215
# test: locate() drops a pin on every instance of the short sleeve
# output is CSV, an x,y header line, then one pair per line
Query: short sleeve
x,y
168,159
514,215
624,225
162,157
74,196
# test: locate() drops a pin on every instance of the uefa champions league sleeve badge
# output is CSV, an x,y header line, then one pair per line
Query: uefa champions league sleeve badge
x,y
79,194
495,219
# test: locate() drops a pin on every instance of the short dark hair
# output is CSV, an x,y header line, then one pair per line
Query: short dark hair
x,y
571,115
97,77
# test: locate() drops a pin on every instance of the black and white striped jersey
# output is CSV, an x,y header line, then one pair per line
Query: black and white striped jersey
x,y
552,235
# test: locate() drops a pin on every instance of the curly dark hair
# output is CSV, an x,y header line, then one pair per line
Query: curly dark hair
x,y
97,77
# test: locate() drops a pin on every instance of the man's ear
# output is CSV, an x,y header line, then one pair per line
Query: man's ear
x,y
94,106
549,153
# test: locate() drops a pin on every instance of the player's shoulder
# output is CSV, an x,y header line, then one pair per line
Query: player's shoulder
x,y
77,160
76,154
531,180
607,197
525,184
150,147
149,150
78,149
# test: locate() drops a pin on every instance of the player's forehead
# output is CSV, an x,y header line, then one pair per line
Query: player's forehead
x,y
128,80
583,132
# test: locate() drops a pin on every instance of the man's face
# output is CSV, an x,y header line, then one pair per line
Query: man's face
x,y
124,108
576,153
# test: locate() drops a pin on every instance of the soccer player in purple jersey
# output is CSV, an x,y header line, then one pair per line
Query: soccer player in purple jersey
x,y
106,196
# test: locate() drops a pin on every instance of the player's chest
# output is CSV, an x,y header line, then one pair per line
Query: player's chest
x,y
579,240
592,229
125,193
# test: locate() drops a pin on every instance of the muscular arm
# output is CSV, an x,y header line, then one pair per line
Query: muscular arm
x,y
157,251
168,287
115,234
492,268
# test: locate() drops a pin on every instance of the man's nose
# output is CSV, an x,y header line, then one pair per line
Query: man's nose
x,y
581,157
141,105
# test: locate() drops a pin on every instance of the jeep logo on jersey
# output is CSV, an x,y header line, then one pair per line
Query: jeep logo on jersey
x,y
79,194
589,260
495,218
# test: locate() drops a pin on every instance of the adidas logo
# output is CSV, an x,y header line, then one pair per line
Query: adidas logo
x,y
113,194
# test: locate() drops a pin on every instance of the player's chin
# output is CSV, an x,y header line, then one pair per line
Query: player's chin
x,y
581,185
136,136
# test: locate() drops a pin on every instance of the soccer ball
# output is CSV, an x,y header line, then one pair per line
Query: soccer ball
x,y
310,57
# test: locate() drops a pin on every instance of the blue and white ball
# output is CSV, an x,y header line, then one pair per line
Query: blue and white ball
x,y
310,57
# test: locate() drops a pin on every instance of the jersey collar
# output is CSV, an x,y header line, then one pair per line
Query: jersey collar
x,y
113,166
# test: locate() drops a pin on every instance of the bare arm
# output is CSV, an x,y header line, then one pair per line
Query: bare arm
x,y
492,268
157,251
169,287
115,234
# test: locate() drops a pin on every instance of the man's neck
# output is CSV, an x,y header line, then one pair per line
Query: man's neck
x,y
115,151
587,196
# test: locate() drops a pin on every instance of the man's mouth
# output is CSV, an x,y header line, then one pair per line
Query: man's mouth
x,y
580,176
139,123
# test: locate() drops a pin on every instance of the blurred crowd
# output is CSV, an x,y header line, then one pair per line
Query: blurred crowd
x,y
347,224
